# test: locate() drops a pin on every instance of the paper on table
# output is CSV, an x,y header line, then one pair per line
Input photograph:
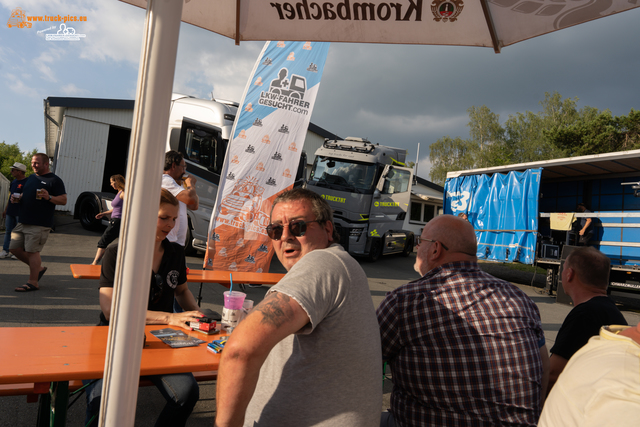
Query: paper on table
x,y
175,338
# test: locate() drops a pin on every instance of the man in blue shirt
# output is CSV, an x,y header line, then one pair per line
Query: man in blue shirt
x,y
41,193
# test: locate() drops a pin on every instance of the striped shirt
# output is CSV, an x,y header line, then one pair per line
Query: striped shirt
x,y
463,347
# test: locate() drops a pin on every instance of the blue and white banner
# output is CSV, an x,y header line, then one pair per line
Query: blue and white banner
x,y
503,210
263,156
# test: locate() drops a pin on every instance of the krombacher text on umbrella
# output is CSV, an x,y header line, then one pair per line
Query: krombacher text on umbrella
x,y
410,10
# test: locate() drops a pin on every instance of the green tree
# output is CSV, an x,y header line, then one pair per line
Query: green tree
x,y
487,136
449,154
558,112
558,130
598,133
481,150
9,154
630,126
526,135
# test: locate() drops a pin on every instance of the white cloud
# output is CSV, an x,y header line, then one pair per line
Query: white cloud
x,y
424,166
208,62
16,85
71,89
44,61
114,32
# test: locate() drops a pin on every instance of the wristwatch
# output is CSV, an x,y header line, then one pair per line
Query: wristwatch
x,y
49,197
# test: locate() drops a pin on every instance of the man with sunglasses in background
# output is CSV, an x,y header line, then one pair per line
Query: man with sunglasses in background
x,y
465,348
309,353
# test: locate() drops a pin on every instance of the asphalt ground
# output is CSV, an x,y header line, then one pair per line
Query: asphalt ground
x,y
63,300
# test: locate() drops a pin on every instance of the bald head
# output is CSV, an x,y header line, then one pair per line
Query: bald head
x,y
456,233
455,241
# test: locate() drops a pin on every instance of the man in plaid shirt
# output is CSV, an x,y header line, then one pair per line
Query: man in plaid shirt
x,y
465,348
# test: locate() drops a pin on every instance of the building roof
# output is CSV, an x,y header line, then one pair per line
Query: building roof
x,y
322,132
54,107
429,184
621,163
70,102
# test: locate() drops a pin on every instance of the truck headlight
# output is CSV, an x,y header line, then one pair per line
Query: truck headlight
x,y
355,232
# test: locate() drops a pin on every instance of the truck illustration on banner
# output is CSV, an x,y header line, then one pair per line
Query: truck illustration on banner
x,y
295,88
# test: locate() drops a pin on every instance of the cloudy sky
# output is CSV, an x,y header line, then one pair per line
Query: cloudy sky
x,y
396,95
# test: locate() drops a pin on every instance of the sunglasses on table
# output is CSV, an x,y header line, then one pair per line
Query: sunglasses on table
x,y
296,228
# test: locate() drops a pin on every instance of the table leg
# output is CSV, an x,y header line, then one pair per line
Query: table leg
x,y
200,294
52,406
60,402
44,410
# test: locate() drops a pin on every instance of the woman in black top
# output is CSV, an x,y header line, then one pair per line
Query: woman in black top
x,y
168,279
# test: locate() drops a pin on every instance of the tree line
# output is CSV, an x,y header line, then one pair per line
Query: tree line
x,y
9,154
559,130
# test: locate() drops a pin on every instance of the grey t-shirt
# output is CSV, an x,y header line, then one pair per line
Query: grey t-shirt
x,y
330,372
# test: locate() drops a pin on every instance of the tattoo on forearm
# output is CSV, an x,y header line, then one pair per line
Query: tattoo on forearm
x,y
276,310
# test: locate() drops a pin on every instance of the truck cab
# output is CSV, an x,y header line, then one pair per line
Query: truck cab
x,y
368,188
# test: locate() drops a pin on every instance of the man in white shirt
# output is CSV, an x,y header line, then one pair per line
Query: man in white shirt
x,y
184,189
599,386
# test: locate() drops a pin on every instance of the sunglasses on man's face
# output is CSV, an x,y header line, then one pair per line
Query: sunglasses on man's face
x,y
296,228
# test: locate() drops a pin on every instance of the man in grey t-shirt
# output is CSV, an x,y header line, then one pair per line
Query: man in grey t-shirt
x,y
309,353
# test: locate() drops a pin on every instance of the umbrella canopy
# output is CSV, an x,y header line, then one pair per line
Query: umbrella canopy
x,y
485,23
488,23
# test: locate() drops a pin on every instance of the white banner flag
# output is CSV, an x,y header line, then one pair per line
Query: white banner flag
x,y
263,155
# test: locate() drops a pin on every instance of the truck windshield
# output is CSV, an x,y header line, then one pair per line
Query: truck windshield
x,y
345,175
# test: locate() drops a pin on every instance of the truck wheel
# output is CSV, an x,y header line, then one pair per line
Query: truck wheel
x,y
88,210
408,247
189,250
376,250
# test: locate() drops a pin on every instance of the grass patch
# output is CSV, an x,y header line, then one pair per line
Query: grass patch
x,y
519,267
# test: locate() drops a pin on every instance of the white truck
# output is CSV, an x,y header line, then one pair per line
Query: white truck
x,y
88,139
369,188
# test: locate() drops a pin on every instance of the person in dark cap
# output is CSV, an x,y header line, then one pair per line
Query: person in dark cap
x,y
10,213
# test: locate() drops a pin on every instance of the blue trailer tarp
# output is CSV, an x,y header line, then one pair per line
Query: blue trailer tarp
x,y
503,210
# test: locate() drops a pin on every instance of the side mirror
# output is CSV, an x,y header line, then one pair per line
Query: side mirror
x,y
390,173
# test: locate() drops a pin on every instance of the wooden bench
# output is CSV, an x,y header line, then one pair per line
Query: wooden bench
x,y
33,390
88,271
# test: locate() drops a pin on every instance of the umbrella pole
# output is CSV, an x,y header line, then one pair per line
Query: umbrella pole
x,y
144,174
